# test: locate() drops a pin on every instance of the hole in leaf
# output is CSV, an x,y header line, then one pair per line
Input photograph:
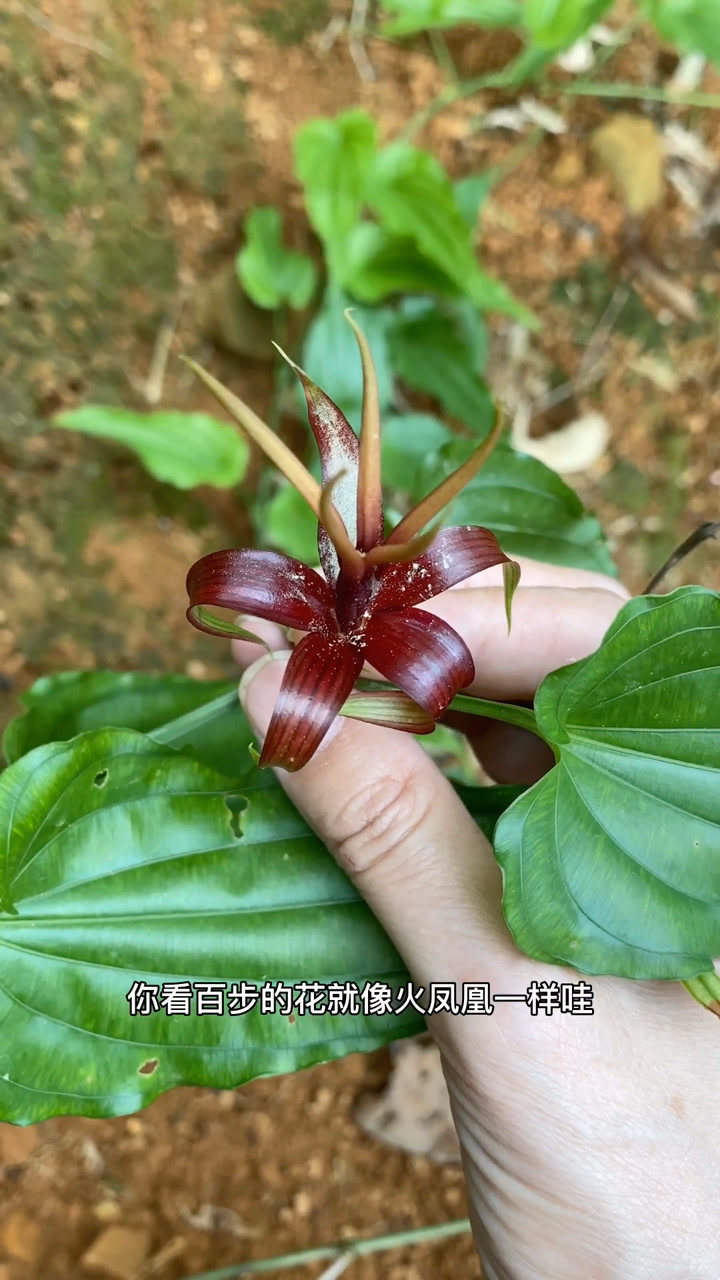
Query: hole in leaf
x,y
148,1067
236,807
100,778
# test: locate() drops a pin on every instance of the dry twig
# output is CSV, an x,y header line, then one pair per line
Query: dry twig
x,y
62,33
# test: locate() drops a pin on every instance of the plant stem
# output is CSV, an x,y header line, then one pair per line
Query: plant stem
x,y
624,89
348,1249
527,64
181,726
523,717
705,988
701,534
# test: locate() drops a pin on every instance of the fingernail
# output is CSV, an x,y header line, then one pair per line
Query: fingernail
x,y
268,633
258,690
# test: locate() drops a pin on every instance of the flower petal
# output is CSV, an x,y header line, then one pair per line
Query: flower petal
x,y
259,432
388,707
319,676
421,654
455,554
339,450
369,487
264,584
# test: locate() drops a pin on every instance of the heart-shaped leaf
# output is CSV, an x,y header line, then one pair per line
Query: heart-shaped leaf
x,y
269,273
413,197
612,861
129,863
333,161
377,264
184,449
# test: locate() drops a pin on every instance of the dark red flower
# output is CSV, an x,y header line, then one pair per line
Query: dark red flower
x,y
364,608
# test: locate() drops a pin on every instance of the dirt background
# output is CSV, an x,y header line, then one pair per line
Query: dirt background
x,y
134,137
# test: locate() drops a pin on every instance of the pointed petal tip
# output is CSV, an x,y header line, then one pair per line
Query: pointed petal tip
x,y
511,578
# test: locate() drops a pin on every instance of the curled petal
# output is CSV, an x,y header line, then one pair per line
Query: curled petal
x,y
388,707
454,555
319,676
422,654
264,584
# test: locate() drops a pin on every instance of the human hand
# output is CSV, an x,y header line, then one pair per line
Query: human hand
x,y
589,1143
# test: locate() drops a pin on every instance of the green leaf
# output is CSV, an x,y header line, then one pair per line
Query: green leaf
x,y
530,509
487,804
692,25
472,192
330,353
270,274
555,24
611,863
377,264
429,354
429,15
61,706
286,522
407,439
413,197
129,863
184,449
333,161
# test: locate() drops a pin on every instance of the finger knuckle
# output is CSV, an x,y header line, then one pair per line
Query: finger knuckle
x,y
381,821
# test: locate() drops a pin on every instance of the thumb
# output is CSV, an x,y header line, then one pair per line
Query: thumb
x,y
396,826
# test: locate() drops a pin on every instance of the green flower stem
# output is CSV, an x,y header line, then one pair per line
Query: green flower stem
x,y
532,62
624,89
524,67
705,988
179,728
349,1249
523,717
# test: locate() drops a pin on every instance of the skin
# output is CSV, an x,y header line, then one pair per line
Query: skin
x,y
590,1144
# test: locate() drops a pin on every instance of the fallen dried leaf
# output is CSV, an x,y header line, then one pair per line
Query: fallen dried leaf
x,y
572,448
631,148
21,1237
413,1111
118,1252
